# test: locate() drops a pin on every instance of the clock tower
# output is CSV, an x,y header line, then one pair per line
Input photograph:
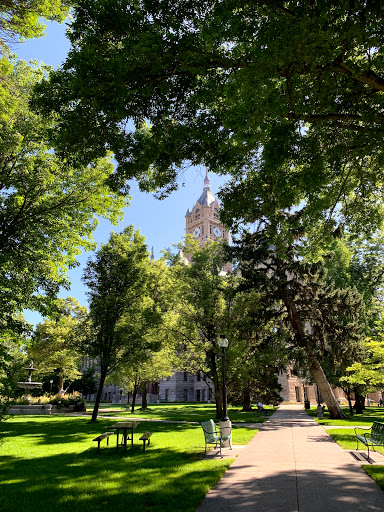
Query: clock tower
x,y
203,221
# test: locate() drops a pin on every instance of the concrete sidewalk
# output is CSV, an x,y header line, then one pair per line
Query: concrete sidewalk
x,y
292,465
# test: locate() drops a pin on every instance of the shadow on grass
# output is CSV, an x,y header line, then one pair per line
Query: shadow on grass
x,y
183,412
370,415
161,478
88,481
60,430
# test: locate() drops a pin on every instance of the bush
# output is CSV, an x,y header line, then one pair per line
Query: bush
x,y
76,400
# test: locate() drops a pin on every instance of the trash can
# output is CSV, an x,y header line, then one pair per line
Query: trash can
x,y
307,404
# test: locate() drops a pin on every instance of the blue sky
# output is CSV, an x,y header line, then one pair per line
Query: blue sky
x,y
161,222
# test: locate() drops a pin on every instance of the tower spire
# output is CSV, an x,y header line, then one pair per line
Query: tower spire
x,y
207,182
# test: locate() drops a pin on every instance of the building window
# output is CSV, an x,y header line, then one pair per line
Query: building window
x,y
197,395
185,395
185,376
297,391
203,395
166,394
198,377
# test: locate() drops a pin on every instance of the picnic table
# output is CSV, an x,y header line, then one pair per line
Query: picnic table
x,y
124,426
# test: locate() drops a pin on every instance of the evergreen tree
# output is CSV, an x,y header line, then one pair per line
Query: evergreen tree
x,y
321,317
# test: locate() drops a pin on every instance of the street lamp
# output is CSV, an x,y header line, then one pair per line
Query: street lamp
x,y
50,388
223,344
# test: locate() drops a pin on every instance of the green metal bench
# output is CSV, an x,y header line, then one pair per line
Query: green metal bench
x,y
212,435
371,439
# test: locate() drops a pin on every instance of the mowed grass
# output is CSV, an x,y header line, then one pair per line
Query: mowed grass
x,y
346,439
50,464
180,412
370,415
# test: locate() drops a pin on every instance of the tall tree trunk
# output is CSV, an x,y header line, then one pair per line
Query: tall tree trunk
x,y
144,403
247,406
218,388
315,367
324,386
103,375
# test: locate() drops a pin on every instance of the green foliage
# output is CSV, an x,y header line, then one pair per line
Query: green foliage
x,y
257,351
12,360
87,383
48,207
21,19
126,297
368,374
53,343
202,290
77,401
286,97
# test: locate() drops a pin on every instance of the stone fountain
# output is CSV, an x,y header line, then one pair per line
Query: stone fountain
x,y
29,384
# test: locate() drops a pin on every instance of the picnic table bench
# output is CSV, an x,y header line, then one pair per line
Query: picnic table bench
x,y
371,439
100,438
212,435
146,437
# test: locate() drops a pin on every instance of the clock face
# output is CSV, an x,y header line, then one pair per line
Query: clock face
x,y
217,232
196,232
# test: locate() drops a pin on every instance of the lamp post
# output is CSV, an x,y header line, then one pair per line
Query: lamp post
x,y
223,344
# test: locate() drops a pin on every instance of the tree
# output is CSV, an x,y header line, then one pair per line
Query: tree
x,y
323,319
124,304
258,350
202,312
367,376
21,19
48,207
53,347
268,91
146,368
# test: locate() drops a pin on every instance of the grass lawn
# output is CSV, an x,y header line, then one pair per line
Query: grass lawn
x,y
346,439
50,464
180,411
370,415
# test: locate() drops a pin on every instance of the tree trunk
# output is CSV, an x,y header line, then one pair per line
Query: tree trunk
x,y
247,399
144,403
315,367
134,393
347,392
103,375
358,403
218,388
324,386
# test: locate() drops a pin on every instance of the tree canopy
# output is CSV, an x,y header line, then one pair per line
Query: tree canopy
x,y
48,207
53,347
283,95
21,19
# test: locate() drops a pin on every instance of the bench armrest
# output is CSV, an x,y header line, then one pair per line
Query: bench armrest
x,y
362,428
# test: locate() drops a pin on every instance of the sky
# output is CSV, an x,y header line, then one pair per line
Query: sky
x,y
161,222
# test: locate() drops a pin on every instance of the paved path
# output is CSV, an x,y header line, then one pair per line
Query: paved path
x,y
292,465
